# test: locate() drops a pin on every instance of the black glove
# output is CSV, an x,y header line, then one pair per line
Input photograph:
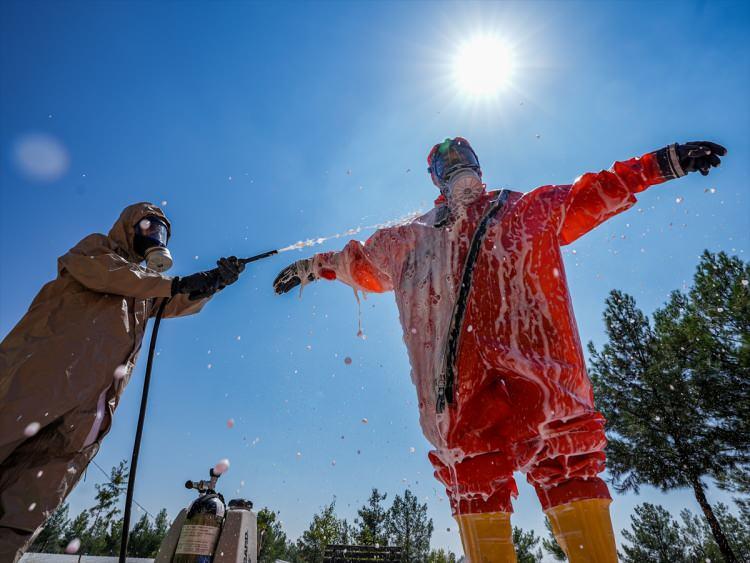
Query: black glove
x,y
229,270
696,156
291,276
198,286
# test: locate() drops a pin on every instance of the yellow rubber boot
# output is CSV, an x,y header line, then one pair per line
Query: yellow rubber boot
x,y
487,537
584,530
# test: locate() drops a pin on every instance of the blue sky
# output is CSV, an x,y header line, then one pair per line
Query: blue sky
x,y
263,124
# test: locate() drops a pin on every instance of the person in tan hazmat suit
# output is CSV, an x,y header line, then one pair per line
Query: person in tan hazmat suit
x,y
64,366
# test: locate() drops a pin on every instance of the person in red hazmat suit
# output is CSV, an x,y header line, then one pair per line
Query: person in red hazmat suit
x,y
492,340
65,364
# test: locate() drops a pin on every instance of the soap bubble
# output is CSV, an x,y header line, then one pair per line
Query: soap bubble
x,y
365,421
348,360
31,429
230,423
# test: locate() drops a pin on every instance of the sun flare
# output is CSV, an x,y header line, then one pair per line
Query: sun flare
x,y
483,66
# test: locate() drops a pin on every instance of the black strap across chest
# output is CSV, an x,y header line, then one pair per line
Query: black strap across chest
x,y
447,376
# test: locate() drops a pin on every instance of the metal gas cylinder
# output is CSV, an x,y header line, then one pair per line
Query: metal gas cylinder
x,y
203,523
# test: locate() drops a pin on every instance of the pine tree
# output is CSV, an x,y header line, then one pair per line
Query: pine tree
x,y
550,544
272,540
324,530
50,539
106,528
696,536
717,321
79,529
526,543
441,556
409,527
371,521
146,537
664,388
654,537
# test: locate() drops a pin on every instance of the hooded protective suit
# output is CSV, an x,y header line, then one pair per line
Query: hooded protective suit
x,y
522,400
57,371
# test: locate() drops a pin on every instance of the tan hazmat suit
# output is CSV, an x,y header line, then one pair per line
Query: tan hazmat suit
x,y
64,366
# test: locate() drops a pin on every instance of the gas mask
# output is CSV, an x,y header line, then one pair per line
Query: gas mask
x,y
463,187
454,169
151,236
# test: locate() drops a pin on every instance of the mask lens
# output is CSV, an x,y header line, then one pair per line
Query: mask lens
x,y
153,229
451,156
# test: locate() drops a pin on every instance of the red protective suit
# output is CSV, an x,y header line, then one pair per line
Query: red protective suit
x,y
523,400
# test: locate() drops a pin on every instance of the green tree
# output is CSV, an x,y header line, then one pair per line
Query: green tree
x,y
146,537
409,527
79,529
669,424
654,537
50,539
526,544
441,556
325,529
550,544
699,542
717,320
371,521
272,540
106,526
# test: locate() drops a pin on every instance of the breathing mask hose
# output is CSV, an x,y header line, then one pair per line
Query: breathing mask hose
x,y
139,433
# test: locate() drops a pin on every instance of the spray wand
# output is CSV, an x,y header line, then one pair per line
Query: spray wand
x,y
258,257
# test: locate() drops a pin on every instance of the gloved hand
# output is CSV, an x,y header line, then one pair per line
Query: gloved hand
x,y
696,156
205,284
291,276
229,270
198,286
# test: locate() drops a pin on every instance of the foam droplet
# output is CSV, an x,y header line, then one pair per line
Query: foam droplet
x,y
121,371
31,429
222,466
73,546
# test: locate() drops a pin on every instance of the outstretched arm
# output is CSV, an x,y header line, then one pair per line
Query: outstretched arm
x,y
366,267
595,197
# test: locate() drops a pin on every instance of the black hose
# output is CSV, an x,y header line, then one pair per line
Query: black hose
x,y
138,434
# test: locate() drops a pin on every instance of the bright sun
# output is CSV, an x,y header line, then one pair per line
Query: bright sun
x,y
483,66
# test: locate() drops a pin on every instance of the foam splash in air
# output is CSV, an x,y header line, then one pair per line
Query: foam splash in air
x,y
351,232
